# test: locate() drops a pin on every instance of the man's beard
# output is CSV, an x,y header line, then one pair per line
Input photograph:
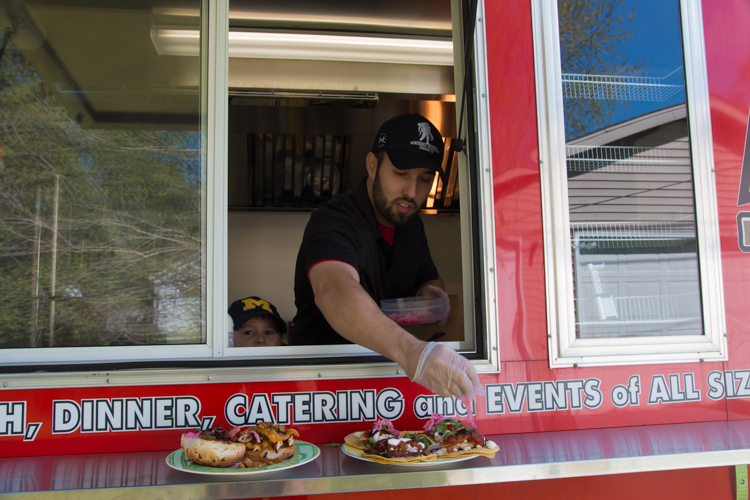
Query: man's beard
x,y
389,213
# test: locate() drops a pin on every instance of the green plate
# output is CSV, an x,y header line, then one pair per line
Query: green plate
x,y
305,452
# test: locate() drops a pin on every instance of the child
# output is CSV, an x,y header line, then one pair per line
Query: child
x,y
256,323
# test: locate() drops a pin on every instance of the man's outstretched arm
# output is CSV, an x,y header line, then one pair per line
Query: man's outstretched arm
x,y
351,311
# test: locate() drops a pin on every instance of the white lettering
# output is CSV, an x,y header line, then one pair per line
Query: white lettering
x,y
423,406
108,415
743,390
362,405
554,396
494,398
324,404
186,411
260,410
390,404
12,417
66,417
514,397
659,391
302,408
138,414
282,403
715,383
593,394
534,397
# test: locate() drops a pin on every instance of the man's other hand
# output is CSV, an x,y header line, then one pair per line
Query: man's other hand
x,y
435,292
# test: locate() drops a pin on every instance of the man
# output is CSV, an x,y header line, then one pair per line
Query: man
x,y
368,245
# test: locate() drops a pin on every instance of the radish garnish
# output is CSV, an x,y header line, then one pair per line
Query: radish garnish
x,y
378,427
434,419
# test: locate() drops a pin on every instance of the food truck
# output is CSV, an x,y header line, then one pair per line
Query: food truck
x,y
160,159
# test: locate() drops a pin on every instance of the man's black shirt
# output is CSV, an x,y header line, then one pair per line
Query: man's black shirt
x,y
345,229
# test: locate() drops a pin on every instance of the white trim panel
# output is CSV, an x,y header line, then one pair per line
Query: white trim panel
x,y
486,199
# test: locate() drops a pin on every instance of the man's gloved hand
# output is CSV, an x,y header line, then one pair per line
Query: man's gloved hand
x,y
443,371
434,292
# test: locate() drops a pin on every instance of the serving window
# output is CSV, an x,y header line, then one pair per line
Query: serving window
x,y
630,204
146,188
302,117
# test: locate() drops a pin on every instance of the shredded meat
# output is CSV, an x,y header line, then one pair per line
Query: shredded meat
x,y
387,450
461,436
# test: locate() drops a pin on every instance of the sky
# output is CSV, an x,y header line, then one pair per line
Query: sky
x,y
657,43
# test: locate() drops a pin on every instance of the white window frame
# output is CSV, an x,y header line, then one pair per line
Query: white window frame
x,y
564,349
213,102
214,126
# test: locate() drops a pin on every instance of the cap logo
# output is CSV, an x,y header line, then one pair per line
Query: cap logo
x,y
381,140
425,139
424,131
253,304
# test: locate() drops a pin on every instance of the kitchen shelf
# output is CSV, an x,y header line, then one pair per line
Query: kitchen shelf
x,y
617,88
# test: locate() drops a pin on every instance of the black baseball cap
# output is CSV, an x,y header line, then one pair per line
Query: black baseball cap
x,y
411,141
244,309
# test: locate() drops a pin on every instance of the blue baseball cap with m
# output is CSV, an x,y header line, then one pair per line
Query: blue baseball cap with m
x,y
244,309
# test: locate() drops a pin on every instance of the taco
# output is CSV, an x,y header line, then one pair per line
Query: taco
x,y
381,429
382,444
451,439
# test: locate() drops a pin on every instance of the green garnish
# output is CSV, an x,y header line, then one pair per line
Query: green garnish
x,y
370,442
414,437
442,428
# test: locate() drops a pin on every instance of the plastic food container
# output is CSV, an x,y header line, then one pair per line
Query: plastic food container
x,y
414,310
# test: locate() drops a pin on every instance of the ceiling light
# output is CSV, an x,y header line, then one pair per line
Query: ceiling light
x,y
317,47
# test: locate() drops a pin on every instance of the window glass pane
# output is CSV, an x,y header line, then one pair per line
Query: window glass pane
x,y
101,176
630,185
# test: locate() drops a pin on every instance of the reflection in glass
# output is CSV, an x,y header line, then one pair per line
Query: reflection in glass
x,y
100,181
630,184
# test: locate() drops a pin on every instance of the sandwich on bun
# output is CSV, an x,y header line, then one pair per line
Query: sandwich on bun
x,y
215,447
267,444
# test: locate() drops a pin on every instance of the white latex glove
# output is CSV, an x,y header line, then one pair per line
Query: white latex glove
x,y
443,371
434,292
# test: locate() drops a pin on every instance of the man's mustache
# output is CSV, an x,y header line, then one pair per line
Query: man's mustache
x,y
406,199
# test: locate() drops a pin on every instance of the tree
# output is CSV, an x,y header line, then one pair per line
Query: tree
x,y
591,36
120,235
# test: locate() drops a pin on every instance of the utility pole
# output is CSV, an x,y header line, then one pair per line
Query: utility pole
x,y
53,272
37,261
